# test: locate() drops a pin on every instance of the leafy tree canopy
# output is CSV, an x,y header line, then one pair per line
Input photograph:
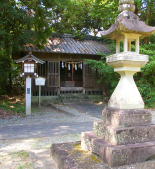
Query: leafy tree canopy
x,y
33,21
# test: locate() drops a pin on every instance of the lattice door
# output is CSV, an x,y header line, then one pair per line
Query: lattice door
x,y
89,77
53,74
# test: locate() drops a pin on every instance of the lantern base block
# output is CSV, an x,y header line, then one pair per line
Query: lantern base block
x,y
123,137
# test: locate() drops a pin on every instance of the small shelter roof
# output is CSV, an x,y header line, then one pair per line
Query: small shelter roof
x,y
29,57
65,43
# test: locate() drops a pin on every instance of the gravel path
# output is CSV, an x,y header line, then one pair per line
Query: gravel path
x,y
45,115
49,114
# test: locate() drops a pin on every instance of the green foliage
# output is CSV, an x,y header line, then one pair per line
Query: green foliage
x,y
108,76
22,22
14,108
145,79
11,83
81,17
17,109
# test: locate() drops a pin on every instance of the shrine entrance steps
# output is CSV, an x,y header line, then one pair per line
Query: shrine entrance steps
x,y
74,97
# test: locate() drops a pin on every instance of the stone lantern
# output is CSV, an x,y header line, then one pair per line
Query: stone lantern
x,y
126,134
127,28
29,64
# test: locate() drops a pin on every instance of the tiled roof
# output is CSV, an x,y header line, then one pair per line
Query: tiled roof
x,y
65,43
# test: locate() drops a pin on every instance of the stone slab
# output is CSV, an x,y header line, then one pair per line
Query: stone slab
x,y
132,59
124,135
71,156
126,117
117,155
82,160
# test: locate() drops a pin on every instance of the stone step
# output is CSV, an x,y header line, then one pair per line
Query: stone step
x,y
74,96
70,98
117,155
70,156
124,135
71,101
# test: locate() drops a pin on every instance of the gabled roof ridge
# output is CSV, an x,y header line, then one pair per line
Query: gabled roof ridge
x,y
85,37
65,43
26,57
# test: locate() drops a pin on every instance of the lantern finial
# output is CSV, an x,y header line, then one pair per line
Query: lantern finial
x,y
126,5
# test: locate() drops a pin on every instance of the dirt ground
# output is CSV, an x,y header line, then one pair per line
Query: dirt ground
x,y
15,160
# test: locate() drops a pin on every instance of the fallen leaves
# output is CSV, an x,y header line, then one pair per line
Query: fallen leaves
x,y
8,114
35,160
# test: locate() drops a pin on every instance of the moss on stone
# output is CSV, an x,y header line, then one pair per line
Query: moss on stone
x,y
89,156
77,147
93,158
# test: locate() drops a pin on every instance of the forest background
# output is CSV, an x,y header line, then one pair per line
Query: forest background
x,y
33,21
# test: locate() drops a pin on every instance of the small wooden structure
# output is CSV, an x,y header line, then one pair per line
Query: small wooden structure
x,y
29,64
64,66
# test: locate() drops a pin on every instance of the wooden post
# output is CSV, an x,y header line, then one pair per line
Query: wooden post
x,y
28,95
72,71
39,96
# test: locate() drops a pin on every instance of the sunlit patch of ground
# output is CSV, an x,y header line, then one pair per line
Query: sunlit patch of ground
x,y
15,160
11,156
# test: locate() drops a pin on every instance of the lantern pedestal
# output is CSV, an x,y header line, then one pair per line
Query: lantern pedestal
x,y
28,95
126,94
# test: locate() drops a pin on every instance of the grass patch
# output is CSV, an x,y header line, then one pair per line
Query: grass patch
x,y
8,109
18,160
21,154
25,166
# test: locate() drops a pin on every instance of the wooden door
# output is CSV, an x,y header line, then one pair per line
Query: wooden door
x,y
54,74
88,77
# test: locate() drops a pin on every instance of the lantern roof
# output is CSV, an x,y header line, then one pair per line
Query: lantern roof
x,y
127,22
29,57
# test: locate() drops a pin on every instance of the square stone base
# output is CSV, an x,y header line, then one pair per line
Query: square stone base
x,y
126,117
123,137
117,155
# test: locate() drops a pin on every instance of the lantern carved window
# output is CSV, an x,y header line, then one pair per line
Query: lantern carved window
x,y
29,63
28,68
